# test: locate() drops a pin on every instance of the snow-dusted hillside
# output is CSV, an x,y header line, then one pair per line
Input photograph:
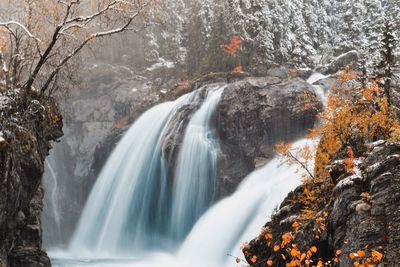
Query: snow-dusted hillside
x,y
303,33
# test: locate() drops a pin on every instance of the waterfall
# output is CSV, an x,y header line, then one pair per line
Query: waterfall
x,y
222,229
53,229
130,205
132,208
195,179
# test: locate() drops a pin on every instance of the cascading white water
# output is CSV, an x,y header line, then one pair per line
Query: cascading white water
x,y
240,217
135,167
195,178
129,207
222,229
54,192
51,182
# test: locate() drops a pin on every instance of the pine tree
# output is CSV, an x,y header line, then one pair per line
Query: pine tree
x,y
385,66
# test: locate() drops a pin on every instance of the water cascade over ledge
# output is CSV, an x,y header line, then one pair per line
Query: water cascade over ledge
x,y
195,179
222,229
129,208
135,217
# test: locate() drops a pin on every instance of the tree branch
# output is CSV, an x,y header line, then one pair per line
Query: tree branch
x,y
84,43
302,165
92,16
42,59
8,23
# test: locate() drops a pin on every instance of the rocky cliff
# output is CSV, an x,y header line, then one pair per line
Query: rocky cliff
x,y
26,133
362,214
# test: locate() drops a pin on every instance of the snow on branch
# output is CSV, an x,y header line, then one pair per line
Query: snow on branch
x,y
86,41
92,16
8,23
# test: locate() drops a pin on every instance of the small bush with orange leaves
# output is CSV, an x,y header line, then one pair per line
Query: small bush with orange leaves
x,y
232,50
233,47
354,115
286,252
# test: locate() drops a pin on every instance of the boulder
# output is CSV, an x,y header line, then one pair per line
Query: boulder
x,y
255,114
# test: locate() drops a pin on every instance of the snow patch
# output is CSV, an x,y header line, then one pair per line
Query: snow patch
x,y
348,181
317,77
162,63
378,143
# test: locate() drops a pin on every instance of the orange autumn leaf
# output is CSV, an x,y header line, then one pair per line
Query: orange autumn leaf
x,y
238,69
277,248
293,263
270,262
376,256
253,259
287,238
294,252
361,253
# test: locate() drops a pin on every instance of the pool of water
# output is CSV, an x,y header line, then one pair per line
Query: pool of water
x,y
93,263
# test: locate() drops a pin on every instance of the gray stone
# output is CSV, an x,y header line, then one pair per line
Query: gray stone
x,y
280,72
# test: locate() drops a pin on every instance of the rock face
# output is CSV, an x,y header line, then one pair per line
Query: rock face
x,y
26,136
253,116
364,211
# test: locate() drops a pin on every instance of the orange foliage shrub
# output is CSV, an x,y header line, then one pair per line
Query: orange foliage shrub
x,y
289,252
232,48
238,68
353,115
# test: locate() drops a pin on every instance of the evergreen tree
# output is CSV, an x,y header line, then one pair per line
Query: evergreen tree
x,y
385,66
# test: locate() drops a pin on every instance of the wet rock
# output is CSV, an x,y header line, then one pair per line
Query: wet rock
x,y
255,114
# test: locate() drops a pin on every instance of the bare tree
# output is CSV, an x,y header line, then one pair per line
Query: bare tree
x,y
38,38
